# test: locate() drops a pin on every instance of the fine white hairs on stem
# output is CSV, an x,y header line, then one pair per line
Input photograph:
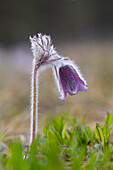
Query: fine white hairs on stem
x,y
67,75
34,103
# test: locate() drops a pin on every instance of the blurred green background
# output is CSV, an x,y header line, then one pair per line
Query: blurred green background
x,y
81,30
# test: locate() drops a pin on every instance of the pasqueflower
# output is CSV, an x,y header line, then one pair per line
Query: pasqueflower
x,y
66,73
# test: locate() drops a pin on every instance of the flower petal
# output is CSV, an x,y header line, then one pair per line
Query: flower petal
x,y
63,94
81,83
70,80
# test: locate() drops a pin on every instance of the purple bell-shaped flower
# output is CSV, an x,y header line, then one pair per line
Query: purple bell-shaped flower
x,y
69,80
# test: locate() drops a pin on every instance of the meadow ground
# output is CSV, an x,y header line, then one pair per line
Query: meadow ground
x,y
96,63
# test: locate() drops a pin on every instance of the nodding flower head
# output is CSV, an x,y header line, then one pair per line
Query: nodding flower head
x,y
66,73
69,79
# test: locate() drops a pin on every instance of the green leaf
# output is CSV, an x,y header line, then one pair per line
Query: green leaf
x,y
106,133
58,124
108,119
99,133
91,163
16,160
53,136
83,119
64,131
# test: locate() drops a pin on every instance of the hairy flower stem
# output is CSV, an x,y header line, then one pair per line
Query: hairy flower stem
x,y
34,103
